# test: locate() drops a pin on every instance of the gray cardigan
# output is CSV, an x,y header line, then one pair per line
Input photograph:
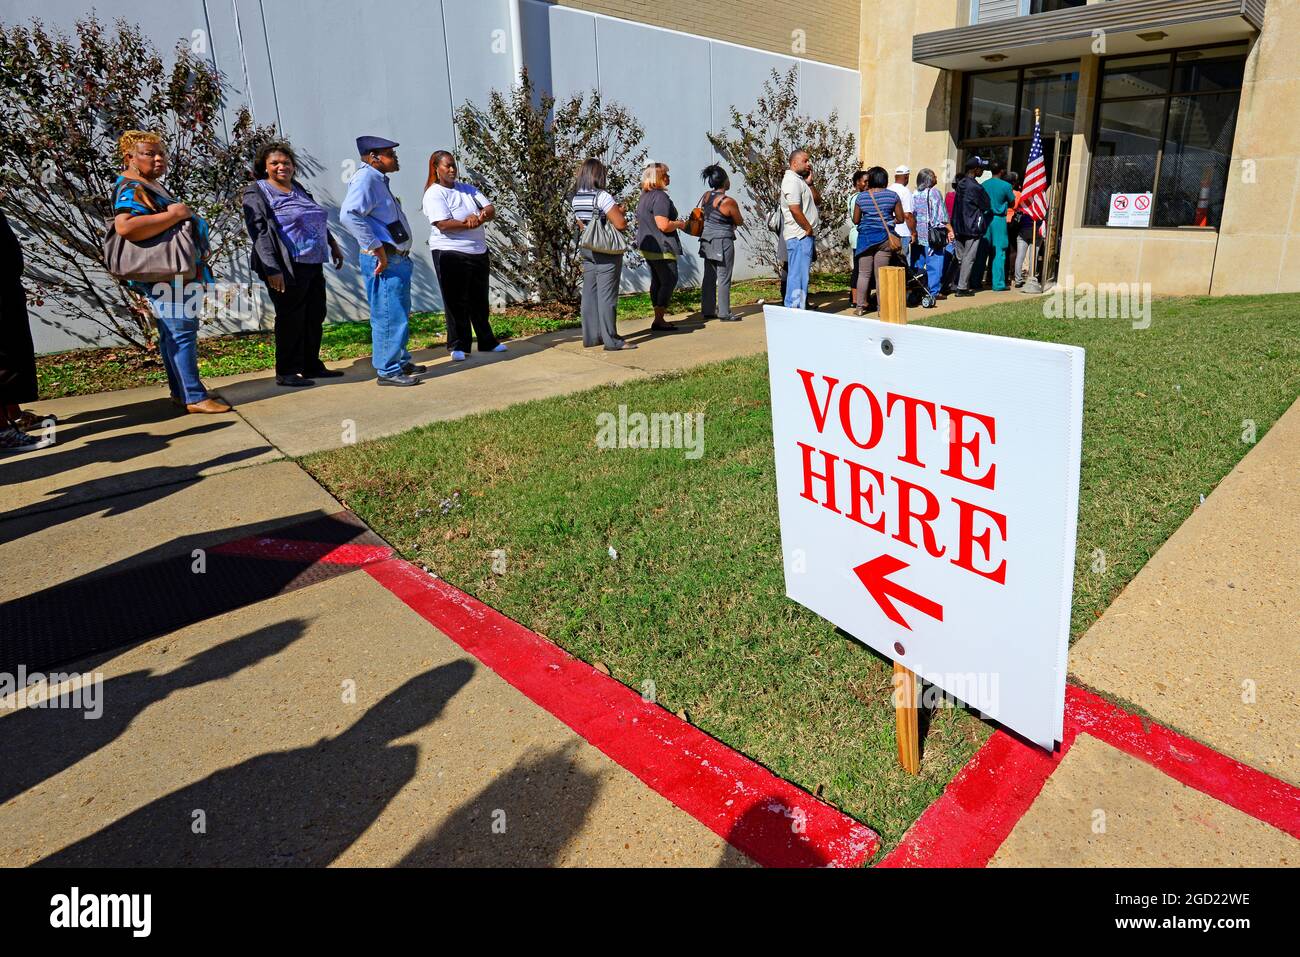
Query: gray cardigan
x,y
270,256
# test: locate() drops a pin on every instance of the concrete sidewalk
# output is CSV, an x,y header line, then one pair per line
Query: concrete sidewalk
x,y
1205,640
239,716
227,714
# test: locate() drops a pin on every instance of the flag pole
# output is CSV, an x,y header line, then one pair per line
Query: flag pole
x,y
1032,285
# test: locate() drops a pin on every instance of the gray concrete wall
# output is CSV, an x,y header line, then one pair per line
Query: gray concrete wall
x,y
328,70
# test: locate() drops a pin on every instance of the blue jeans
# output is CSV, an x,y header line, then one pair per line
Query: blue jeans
x,y
389,295
177,310
798,263
932,261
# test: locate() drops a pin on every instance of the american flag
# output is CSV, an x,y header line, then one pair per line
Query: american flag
x,y
1033,195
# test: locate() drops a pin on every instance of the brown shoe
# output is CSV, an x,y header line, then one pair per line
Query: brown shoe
x,y
208,407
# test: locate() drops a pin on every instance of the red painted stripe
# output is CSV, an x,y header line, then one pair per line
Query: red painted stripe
x,y
295,550
765,817
1223,778
982,804
978,809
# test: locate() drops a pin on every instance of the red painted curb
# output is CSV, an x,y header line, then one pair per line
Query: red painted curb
x,y
1225,779
295,550
769,819
984,802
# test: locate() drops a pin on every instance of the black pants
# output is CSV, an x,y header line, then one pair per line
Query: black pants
x,y
299,316
663,280
463,278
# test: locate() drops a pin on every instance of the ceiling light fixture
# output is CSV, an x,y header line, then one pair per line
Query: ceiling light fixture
x,y
995,57
1153,36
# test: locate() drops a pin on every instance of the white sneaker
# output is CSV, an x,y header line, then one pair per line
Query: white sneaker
x,y
458,356
501,347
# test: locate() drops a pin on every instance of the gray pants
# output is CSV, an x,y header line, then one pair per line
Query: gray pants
x,y
1022,253
600,277
966,252
719,261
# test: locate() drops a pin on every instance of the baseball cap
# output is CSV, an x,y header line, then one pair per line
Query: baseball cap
x,y
903,170
975,162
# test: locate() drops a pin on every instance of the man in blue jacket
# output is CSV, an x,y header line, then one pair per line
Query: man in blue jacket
x,y
969,221
374,216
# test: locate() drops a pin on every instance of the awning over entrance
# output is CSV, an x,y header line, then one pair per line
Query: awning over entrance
x,y
1068,34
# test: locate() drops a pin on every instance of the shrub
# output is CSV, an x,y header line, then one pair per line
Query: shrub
x,y
65,102
758,146
523,150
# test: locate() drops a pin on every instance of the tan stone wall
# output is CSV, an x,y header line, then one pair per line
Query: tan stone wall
x,y
1259,241
1257,246
829,27
907,109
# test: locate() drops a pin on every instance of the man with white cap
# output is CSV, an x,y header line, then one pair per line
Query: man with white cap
x,y
903,176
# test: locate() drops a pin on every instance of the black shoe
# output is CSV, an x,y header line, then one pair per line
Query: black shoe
x,y
293,381
323,373
412,369
397,380
963,293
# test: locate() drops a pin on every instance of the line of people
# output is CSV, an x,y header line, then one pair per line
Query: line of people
x,y
291,244
950,242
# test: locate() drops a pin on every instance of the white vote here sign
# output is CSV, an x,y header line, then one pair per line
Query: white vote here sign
x,y
928,488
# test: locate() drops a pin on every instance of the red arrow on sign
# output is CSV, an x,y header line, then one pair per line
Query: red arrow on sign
x,y
875,576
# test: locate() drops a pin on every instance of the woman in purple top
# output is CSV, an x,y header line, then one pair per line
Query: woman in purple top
x,y
291,243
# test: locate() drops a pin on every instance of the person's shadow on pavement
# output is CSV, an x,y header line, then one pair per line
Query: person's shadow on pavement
x,y
524,818
300,807
43,742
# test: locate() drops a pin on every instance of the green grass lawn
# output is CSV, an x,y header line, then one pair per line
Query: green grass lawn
x,y
87,371
695,600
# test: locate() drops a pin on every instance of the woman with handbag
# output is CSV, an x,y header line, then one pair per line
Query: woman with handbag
x,y
657,225
601,246
143,210
291,243
718,244
457,212
931,235
877,211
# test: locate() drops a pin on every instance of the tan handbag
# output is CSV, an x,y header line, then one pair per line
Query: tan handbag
x,y
895,244
163,258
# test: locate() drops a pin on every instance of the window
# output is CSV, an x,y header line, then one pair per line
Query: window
x,y
1165,124
1000,104
1047,6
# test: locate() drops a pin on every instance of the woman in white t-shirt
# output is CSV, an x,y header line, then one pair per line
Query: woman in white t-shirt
x,y
601,272
457,212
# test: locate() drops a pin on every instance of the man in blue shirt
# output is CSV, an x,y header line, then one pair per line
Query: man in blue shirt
x,y
374,216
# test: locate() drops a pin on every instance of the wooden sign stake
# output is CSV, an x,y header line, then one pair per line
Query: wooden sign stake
x,y
892,292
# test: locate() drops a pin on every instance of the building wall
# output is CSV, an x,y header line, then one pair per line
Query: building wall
x,y
821,30
328,72
907,109
1259,239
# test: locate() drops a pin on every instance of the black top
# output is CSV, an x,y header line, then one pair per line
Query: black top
x,y
971,200
649,237
11,253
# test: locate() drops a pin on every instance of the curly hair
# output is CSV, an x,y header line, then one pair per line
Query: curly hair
x,y
264,153
128,141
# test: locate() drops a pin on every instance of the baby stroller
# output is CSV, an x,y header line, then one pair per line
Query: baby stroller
x,y
918,288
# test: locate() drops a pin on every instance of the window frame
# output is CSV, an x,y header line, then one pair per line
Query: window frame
x,y
963,117
1168,97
